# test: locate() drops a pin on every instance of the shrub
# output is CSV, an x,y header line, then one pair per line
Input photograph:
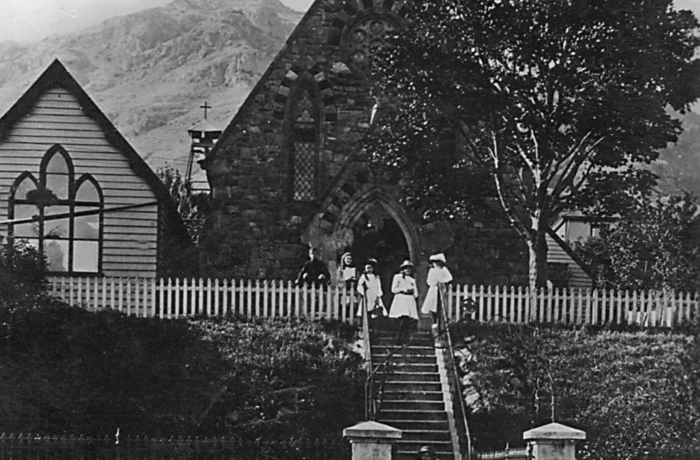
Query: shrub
x,y
634,393
22,272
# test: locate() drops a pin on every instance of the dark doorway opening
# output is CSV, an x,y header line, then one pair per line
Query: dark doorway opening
x,y
379,236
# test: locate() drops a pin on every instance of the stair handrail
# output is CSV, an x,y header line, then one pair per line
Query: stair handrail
x,y
369,409
453,379
365,332
371,402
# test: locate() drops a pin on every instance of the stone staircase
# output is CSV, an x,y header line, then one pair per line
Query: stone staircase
x,y
412,394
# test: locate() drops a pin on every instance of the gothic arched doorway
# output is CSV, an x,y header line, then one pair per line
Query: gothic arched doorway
x,y
377,235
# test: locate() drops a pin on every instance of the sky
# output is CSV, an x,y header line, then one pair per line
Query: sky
x,y
29,20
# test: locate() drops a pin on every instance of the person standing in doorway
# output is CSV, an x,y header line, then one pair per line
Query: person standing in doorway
x,y
438,275
370,288
347,272
403,307
313,272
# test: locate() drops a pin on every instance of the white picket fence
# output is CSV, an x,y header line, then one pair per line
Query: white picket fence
x,y
173,298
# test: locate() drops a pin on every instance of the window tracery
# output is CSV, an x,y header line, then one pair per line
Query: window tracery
x,y
364,38
66,215
305,156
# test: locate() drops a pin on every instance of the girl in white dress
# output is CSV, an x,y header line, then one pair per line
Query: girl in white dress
x,y
370,288
403,306
347,273
438,274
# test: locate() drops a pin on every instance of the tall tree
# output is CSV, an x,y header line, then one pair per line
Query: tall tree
x,y
554,102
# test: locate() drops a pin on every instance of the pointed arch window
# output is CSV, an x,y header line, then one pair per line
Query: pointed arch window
x,y
58,215
305,119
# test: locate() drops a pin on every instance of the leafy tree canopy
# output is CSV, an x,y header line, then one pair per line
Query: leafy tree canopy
x,y
540,106
655,245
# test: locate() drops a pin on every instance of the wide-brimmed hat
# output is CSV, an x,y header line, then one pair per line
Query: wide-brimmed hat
x,y
344,256
407,264
438,257
371,262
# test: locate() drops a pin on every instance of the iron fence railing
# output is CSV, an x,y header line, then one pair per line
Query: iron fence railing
x,y
39,447
517,453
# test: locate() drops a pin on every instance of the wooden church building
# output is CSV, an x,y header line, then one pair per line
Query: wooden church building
x,y
288,172
72,186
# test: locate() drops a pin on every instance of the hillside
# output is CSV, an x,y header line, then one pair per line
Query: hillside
x,y
634,392
64,370
679,164
150,71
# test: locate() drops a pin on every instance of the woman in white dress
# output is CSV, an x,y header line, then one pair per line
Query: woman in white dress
x,y
438,274
369,286
403,307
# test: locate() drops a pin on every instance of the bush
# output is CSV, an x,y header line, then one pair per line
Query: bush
x,y
634,393
22,272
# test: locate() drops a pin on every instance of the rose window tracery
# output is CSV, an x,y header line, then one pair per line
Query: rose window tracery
x,y
364,38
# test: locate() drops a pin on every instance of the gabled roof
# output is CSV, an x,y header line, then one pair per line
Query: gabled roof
x,y
204,126
259,86
56,75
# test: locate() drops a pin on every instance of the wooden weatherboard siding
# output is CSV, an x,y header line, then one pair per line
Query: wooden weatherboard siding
x,y
130,237
557,254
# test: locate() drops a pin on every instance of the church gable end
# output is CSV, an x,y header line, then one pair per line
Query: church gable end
x,y
76,188
280,156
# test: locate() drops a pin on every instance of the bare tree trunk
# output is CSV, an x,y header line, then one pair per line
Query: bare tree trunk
x,y
537,252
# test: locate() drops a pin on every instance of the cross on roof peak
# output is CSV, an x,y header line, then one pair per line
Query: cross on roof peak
x,y
205,107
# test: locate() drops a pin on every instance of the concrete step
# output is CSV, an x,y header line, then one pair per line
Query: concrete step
x,y
418,425
396,386
392,331
392,404
413,396
381,358
413,415
413,367
407,376
426,435
412,340
397,354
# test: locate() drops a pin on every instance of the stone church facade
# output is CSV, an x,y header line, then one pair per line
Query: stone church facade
x,y
288,171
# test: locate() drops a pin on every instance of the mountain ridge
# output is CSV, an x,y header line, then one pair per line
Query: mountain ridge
x,y
150,71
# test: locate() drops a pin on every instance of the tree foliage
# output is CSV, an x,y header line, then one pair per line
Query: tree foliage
x,y
551,103
654,245
192,207
22,273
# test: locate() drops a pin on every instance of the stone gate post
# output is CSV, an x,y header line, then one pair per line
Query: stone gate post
x,y
371,440
553,442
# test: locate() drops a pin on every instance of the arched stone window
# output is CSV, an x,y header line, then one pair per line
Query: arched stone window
x,y
66,214
364,37
304,119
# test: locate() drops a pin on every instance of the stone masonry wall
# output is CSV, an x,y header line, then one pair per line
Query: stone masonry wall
x,y
255,231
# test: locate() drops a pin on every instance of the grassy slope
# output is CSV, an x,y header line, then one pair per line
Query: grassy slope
x,y
67,370
636,394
